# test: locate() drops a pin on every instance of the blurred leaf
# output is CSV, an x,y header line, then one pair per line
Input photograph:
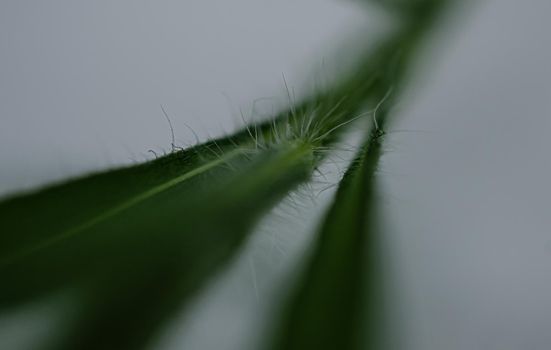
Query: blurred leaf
x,y
329,306
170,251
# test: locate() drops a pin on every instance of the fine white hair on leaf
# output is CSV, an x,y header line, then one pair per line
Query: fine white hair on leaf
x,y
385,97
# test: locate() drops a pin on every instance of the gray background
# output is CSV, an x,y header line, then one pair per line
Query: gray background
x,y
82,81
467,201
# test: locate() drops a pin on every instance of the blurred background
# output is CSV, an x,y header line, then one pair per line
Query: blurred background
x,y
465,190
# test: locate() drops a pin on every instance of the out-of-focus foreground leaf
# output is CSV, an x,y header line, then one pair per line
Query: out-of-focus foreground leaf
x,y
329,308
174,246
